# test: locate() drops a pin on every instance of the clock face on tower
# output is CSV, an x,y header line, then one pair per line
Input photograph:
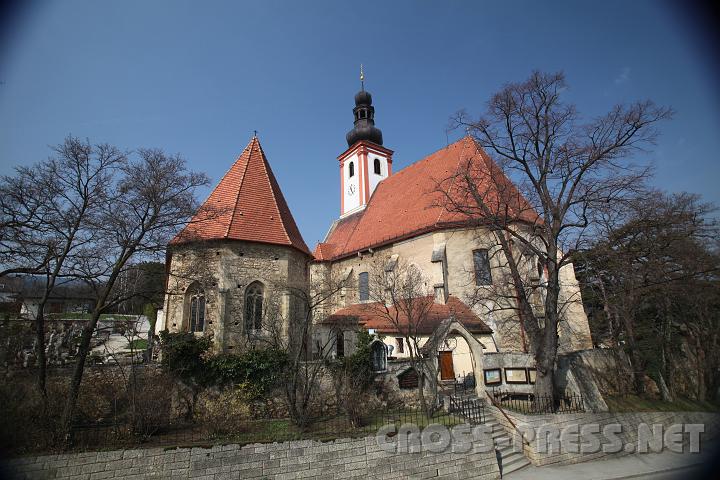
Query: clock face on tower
x,y
351,190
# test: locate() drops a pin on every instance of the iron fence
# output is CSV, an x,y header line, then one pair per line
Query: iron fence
x,y
531,404
471,409
114,435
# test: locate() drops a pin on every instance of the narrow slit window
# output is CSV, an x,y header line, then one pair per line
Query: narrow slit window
x,y
351,170
377,166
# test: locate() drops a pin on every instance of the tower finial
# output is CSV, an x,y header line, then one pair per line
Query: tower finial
x,y
362,77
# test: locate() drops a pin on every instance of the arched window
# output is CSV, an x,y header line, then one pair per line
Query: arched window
x,y
254,306
364,286
379,356
376,165
351,170
195,298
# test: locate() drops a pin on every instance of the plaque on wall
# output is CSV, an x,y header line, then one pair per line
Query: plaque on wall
x,y
516,375
492,376
532,373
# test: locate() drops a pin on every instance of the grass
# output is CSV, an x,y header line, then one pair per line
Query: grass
x,y
138,344
634,403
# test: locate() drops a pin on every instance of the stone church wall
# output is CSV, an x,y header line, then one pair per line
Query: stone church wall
x,y
456,277
224,270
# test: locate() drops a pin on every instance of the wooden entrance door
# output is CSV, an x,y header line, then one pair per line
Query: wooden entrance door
x,y
447,372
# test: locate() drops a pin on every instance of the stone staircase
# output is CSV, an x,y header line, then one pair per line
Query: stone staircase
x,y
508,460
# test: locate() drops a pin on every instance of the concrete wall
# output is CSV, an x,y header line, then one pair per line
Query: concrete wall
x,y
344,458
628,421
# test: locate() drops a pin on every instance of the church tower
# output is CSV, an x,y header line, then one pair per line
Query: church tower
x,y
366,162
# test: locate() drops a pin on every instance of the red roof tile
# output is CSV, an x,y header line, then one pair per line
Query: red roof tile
x,y
247,205
369,315
407,203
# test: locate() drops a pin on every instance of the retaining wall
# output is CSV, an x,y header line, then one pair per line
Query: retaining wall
x,y
305,459
629,422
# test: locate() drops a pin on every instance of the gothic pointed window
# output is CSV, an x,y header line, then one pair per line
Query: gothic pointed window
x,y
351,170
377,166
195,304
254,306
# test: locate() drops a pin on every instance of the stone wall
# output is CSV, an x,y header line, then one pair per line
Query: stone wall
x,y
224,269
344,458
629,422
498,305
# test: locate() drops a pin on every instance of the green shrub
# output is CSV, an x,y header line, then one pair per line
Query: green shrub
x,y
254,372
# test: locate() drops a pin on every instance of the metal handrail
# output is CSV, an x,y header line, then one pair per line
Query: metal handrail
x,y
502,410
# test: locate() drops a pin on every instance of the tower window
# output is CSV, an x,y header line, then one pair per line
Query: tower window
x,y
351,170
253,306
481,262
364,286
376,166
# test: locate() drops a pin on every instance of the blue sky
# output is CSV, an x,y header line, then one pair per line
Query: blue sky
x,y
197,78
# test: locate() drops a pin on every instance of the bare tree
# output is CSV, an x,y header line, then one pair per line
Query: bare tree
x,y
293,333
563,169
650,283
146,206
399,295
46,213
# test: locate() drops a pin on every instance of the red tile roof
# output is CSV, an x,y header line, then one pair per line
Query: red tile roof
x,y
408,203
369,315
247,205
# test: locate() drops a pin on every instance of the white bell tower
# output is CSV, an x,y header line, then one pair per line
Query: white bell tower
x,y
366,162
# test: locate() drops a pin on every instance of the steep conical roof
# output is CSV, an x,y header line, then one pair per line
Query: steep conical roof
x,y
247,205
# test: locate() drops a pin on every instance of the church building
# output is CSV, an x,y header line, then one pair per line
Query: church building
x,y
240,259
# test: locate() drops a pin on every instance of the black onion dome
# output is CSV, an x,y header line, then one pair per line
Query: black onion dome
x,y
364,128
363,98
370,133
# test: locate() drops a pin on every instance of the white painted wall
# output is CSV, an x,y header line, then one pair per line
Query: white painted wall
x,y
375,179
351,201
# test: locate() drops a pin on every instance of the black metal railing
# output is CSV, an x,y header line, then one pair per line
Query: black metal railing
x,y
113,434
471,409
532,404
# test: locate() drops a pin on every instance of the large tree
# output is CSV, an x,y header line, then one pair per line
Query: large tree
x,y
151,198
563,170
46,213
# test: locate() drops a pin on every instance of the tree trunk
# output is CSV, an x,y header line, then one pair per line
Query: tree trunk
x,y
83,350
665,393
41,358
635,358
546,354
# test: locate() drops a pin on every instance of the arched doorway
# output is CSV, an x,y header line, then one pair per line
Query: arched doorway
x,y
438,349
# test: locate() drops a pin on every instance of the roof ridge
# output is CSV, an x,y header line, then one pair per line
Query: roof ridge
x,y
426,157
273,181
443,210
242,181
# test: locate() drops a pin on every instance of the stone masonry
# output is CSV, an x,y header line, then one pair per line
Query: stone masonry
x,y
305,459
